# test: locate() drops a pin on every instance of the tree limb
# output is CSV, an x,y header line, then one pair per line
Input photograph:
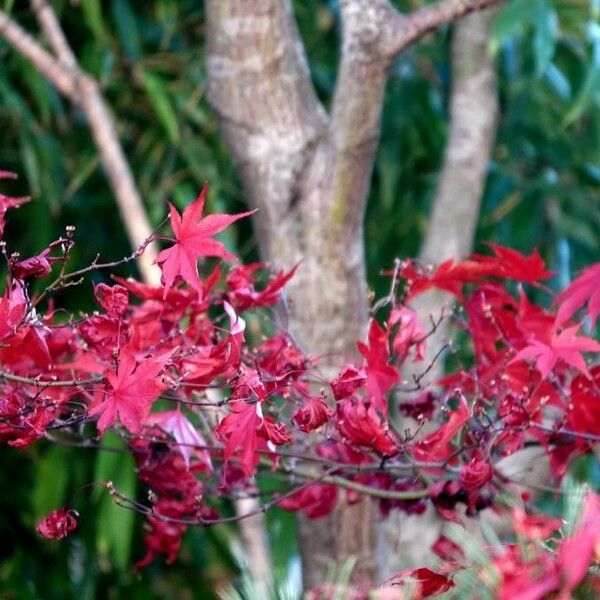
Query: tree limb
x,y
46,17
415,25
66,75
62,78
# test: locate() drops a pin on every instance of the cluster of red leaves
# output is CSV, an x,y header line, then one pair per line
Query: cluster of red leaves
x,y
176,492
542,564
239,405
58,524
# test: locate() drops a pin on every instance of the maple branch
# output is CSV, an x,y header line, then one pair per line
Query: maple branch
x,y
324,463
312,478
38,382
357,487
567,432
258,509
65,279
69,79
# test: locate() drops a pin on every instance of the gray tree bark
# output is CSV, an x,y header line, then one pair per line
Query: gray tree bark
x,y
309,175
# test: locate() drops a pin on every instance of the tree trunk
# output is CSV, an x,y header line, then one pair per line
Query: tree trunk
x,y
309,175
309,180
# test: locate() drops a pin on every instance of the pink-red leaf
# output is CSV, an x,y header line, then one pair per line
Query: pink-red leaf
x,y
566,346
239,429
132,390
189,441
193,240
584,289
381,376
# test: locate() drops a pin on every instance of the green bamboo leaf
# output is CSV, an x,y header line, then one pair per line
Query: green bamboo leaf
x,y
84,171
158,95
40,93
590,89
30,163
537,14
510,21
559,84
114,524
127,29
545,24
50,481
92,15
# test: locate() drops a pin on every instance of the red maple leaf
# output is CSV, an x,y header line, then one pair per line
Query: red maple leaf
x,y
361,425
447,276
133,389
566,346
7,202
436,446
239,429
380,375
313,414
58,524
193,240
189,441
511,264
13,306
423,582
243,294
315,500
585,288
577,553
584,408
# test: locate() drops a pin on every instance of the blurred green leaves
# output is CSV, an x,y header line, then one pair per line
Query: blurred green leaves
x,y
159,97
114,525
51,479
540,16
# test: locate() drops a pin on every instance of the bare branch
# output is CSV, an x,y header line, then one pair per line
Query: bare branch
x,y
62,78
53,32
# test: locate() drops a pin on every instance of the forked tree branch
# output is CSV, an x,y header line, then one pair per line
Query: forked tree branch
x,y
62,78
64,73
373,34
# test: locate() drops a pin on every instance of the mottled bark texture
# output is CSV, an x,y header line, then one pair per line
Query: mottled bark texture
x,y
309,175
405,541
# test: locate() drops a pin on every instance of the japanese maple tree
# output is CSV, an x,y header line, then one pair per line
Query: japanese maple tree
x,y
239,406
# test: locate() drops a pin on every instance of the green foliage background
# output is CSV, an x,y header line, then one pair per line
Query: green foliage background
x,y
542,191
